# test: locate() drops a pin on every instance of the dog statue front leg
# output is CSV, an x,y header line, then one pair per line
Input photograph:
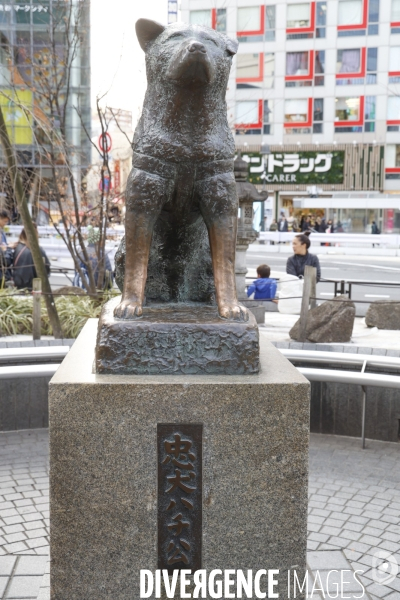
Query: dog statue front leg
x,y
222,235
138,234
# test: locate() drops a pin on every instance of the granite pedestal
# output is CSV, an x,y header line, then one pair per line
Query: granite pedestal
x,y
103,482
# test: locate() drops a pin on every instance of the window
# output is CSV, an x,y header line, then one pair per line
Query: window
x,y
270,23
249,19
349,115
373,17
268,107
220,24
350,12
351,66
394,64
298,115
201,17
318,115
395,12
299,69
392,161
319,67
255,70
352,17
214,18
372,65
370,114
298,16
393,114
247,112
321,19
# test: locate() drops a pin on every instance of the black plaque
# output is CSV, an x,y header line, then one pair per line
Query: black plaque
x,y
179,496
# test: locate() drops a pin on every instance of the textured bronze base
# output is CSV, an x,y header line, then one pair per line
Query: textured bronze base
x,y
176,339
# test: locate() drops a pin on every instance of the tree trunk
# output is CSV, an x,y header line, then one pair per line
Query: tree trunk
x,y
29,229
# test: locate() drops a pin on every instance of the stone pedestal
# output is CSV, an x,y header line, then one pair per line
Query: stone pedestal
x,y
176,339
104,465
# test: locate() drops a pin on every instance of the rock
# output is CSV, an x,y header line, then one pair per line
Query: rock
x,y
331,322
384,314
70,290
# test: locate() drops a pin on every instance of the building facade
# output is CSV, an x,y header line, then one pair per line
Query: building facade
x,y
314,100
45,46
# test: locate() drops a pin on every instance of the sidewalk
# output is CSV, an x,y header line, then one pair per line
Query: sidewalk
x,y
354,511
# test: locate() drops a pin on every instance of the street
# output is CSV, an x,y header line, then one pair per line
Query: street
x,y
369,268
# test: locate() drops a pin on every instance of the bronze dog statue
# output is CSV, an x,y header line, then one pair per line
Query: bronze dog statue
x,y
181,186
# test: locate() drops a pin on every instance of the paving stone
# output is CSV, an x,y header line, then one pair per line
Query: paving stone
x,y
24,587
6,565
31,565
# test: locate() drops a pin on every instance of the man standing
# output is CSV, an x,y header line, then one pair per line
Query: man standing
x,y
283,224
5,251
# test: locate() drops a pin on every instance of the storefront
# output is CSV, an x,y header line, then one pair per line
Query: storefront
x,y
325,175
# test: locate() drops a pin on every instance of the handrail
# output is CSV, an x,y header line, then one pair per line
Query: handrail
x,y
37,353
47,370
340,358
330,375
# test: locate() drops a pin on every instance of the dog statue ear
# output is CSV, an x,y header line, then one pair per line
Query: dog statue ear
x,y
232,46
147,31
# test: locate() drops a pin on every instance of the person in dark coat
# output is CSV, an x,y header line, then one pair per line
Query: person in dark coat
x,y
283,224
5,250
301,258
23,268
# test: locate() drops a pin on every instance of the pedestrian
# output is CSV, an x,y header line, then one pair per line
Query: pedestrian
x,y
93,252
263,288
375,230
301,258
5,250
317,225
273,226
283,224
23,268
306,224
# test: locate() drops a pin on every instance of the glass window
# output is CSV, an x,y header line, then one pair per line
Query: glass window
x,y
297,63
268,107
395,11
221,19
393,113
392,156
298,15
269,69
348,61
247,112
270,23
319,67
296,111
318,115
373,11
394,59
247,66
350,12
372,65
370,108
347,109
201,17
248,18
321,19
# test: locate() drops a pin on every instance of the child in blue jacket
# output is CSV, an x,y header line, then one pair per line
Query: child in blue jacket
x,y
264,287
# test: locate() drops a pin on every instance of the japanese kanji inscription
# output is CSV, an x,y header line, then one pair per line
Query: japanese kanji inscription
x,y
179,496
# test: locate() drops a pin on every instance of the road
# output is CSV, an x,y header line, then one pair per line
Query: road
x,y
368,268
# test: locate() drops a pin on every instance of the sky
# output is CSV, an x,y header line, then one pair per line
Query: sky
x,y
117,60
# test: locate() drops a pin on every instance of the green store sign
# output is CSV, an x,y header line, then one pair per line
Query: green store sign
x,y
303,167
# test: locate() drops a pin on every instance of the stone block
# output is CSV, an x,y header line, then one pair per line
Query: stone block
x,y
103,481
330,322
384,314
176,339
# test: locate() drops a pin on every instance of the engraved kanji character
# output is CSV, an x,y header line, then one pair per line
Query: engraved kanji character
x,y
177,481
180,451
178,554
273,162
310,165
179,525
328,163
291,163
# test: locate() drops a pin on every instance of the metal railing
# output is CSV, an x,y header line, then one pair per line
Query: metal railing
x,y
37,354
355,378
342,239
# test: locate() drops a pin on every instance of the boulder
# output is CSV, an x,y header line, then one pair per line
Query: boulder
x,y
383,314
331,322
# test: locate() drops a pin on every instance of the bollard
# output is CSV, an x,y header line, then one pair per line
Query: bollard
x,y
310,278
37,307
